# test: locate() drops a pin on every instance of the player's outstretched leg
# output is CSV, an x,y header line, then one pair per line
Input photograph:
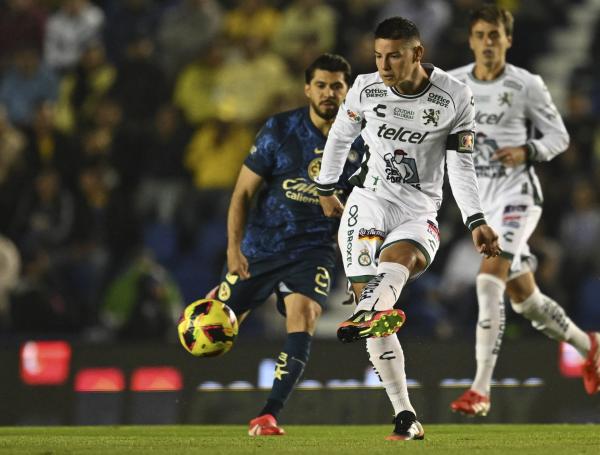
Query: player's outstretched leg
x,y
375,315
550,318
406,427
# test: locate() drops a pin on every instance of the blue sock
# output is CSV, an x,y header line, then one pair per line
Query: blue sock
x,y
288,370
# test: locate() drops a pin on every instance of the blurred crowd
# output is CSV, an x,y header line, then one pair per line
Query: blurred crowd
x,y
123,124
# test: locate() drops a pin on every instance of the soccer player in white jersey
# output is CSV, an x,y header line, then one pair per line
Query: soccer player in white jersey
x,y
506,98
416,118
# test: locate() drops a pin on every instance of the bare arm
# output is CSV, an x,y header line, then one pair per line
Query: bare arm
x,y
246,187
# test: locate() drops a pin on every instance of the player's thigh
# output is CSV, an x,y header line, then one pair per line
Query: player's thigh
x,y
361,234
308,276
420,237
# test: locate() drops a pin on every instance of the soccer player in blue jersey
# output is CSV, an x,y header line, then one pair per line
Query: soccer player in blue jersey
x,y
284,244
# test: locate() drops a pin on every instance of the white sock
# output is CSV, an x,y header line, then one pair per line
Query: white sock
x,y
490,328
549,317
382,292
388,360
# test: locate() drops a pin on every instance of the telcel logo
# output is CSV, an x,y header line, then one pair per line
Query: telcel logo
x,y
402,134
483,118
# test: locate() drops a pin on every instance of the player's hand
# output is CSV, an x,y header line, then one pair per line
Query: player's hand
x,y
510,156
486,241
237,264
332,206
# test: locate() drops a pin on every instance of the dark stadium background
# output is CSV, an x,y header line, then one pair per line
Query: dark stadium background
x,y
121,135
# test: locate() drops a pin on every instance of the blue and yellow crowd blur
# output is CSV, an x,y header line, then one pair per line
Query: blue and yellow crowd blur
x,y
123,125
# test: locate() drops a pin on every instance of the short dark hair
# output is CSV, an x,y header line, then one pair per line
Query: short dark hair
x,y
493,15
329,62
397,28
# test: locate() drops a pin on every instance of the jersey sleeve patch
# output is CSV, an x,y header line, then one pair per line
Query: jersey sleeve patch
x,y
462,142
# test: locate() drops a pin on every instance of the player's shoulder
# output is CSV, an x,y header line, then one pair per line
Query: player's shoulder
x,y
286,121
369,86
520,79
462,72
450,85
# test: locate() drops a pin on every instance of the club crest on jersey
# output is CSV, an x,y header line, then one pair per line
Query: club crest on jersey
x,y
353,156
431,116
314,167
353,116
364,258
505,98
399,168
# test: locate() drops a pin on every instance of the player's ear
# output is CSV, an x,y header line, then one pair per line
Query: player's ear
x,y
307,90
418,52
509,39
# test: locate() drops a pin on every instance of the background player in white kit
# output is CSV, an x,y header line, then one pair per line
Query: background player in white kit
x,y
506,97
412,114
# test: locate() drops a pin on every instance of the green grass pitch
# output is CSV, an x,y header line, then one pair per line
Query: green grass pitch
x,y
328,440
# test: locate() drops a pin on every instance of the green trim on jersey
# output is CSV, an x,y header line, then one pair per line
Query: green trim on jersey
x,y
360,278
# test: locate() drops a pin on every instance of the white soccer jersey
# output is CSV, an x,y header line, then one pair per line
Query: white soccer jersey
x,y
407,138
503,108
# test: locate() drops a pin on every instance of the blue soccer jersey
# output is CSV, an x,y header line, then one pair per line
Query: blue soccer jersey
x,y
287,218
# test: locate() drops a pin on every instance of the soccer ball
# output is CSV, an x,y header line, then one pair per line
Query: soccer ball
x,y
207,328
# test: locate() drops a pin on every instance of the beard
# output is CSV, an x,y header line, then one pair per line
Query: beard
x,y
325,112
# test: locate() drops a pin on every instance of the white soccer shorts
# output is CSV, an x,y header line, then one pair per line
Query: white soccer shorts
x,y
369,224
515,220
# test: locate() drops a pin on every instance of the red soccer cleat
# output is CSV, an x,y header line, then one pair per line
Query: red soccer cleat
x,y
591,367
472,403
265,425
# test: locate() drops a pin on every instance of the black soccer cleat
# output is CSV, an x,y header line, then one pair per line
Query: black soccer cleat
x,y
406,427
367,324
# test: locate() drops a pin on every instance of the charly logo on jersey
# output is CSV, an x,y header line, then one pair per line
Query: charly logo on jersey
x,y
482,158
431,116
375,92
438,99
505,99
400,168
379,110
364,258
